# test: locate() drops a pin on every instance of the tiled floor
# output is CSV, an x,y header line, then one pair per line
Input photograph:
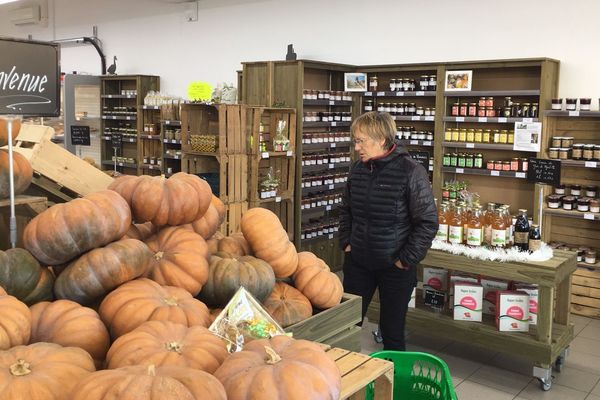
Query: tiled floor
x,y
478,373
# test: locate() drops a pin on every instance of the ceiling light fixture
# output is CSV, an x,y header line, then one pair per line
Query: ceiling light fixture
x,y
7,1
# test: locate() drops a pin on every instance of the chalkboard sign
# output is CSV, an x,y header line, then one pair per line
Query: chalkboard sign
x,y
435,299
29,78
544,171
80,135
117,140
422,157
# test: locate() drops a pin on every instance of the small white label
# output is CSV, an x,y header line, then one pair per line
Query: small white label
x,y
414,142
460,119
591,164
400,94
289,153
415,118
573,113
420,94
520,175
527,120
331,102
330,236
482,119
429,118
278,199
332,145
427,143
265,154
328,208
495,173
588,216
331,166
368,93
470,145
331,187
334,124
460,171
380,93
502,119
173,141
120,164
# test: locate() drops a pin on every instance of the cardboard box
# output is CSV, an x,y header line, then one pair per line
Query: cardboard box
x,y
533,292
435,278
512,311
490,287
462,278
468,299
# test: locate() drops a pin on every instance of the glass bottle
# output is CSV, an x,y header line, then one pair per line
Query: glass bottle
x,y
535,238
455,228
488,218
498,229
475,228
521,230
442,233
467,212
508,223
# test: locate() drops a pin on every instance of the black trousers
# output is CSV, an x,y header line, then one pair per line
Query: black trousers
x,y
395,288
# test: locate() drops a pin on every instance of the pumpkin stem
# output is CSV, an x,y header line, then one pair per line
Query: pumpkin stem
x,y
174,346
170,301
21,368
158,256
151,370
272,356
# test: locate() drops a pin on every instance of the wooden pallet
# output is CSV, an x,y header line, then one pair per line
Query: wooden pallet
x,y
227,122
227,174
57,171
26,208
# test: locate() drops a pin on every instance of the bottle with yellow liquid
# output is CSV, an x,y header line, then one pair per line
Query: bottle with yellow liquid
x,y
499,229
475,228
442,233
455,227
509,225
466,219
488,218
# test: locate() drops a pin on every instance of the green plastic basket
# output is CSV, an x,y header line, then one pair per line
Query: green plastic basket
x,y
417,376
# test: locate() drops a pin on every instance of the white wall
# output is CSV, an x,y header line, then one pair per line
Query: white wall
x,y
151,36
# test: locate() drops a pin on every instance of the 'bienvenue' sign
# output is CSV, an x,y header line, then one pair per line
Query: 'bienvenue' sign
x,y
29,78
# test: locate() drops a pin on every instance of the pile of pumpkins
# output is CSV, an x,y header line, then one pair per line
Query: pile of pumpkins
x,y
134,270
23,173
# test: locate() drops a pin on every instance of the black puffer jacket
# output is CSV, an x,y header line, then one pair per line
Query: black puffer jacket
x,y
388,212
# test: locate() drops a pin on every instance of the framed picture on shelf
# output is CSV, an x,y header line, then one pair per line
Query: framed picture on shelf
x,y
355,82
458,80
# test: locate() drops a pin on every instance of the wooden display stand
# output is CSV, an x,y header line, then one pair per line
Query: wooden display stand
x,y
26,207
545,344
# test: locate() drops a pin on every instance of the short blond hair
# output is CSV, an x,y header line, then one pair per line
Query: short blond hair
x,y
377,126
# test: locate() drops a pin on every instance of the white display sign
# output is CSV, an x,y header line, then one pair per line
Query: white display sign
x,y
528,136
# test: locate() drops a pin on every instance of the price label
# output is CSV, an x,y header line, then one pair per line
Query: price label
x,y
278,199
110,96
331,187
327,208
482,119
330,236
527,120
173,141
429,118
573,113
588,216
502,119
460,170
368,93
120,164
470,145
427,143
414,142
331,102
416,118
114,117
380,93
332,145
265,154
289,153
591,164
420,94
460,119
334,124
331,166
520,175
495,173
399,94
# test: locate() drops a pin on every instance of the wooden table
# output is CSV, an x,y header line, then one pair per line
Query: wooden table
x,y
545,344
358,370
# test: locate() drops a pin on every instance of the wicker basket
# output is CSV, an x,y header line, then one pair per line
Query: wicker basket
x,y
204,143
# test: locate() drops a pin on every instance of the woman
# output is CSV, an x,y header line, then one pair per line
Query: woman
x,y
387,223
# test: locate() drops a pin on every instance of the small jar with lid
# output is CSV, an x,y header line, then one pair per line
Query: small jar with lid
x,y
464,109
591,191
581,254
481,102
560,189
487,136
506,166
525,110
481,111
490,112
498,165
496,136
462,135
472,112
534,110
424,83
595,205
577,152
568,203
368,105
556,141
588,152
455,110
469,160
478,136
554,201
489,102
392,85
490,165
516,110
412,108
446,160
585,104
557,104
448,135
566,141
373,83
453,159
506,111
381,107
428,112
504,136
514,164
563,153
420,111
597,152
553,152
478,161
462,160
575,190
583,204
455,135
571,104
470,135
511,137
590,257
432,82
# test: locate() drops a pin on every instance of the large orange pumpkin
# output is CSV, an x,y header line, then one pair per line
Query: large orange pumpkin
x,y
227,273
181,199
45,371
16,127
235,244
287,305
141,300
140,231
314,279
64,231
22,172
99,271
180,259
166,343
69,324
149,383
206,226
22,276
15,323
269,241
280,368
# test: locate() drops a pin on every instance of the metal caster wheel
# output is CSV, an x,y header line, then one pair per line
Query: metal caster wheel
x,y
559,364
377,336
545,385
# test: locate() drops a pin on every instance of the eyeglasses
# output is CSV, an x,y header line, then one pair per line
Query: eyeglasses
x,y
359,142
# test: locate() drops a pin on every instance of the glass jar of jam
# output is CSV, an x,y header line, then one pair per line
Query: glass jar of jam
x,y
368,105
511,137
487,136
553,152
585,104
568,203
455,135
453,159
490,165
563,153
503,136
524,164
597,152
506,166
446,160
392,85
469,160
455,110
420,111
557,104
478,136
591,191
590,257
464,109
556,141
577,152
462,135
514,164
470,135
559,189
566,141
432,82
472,109
448,135
490,112
575,190
478,161
424,83
554,201
496,137
595,205
373,82
571,104
481,102
489,102
481,111
462,160
588,152
498,165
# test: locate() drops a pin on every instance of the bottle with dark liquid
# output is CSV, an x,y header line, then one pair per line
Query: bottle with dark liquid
x,y
535,238
522,231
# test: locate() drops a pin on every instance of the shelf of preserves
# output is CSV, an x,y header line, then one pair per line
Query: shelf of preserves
x,y
325,145
325,124
428,118
325,167
500,93
119,117
145,107
327,103
150,137
572,214
408,142
334,186
329,236
152,167
118,96
274,199
319,209
172,141
485,172
171,122
483,146
582,114
119,164
490,120
430,93
125,139
580,164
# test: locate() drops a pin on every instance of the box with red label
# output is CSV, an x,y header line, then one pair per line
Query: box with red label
x,y
490,287
456,277
468,299
512,311
435,278
532,291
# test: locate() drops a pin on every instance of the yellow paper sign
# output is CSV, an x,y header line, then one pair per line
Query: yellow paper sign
x,y
199,91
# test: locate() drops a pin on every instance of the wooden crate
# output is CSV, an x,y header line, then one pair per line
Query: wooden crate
x,y
233,216
56,170
226,122
335,325
281,168
227,174
262,123
585,292
26,208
